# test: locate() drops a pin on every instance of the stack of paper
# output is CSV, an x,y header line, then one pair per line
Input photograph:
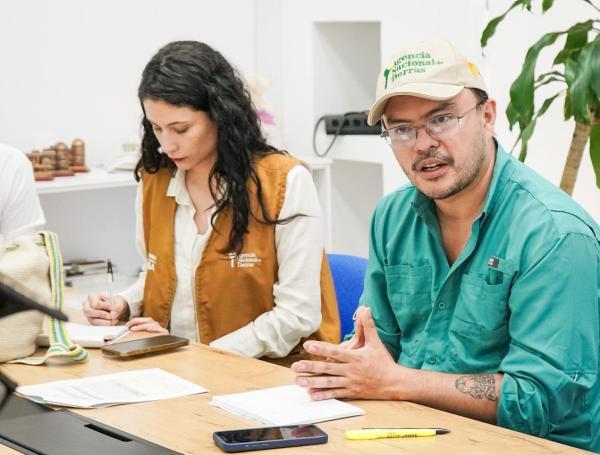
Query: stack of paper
x,y
286,405
111,389
88,336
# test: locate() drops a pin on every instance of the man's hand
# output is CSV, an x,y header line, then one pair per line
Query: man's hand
x,y
358,338
99,310
357,341
363,368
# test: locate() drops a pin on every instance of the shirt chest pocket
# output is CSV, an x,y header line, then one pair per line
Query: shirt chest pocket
x,y
479,327
482,304
409,292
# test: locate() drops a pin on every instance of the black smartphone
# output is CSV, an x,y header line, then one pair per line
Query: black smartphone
x,y
269,437
144,345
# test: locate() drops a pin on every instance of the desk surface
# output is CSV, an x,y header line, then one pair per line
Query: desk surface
x,y
186,424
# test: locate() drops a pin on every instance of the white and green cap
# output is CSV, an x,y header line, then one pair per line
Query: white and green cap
x,y
432,69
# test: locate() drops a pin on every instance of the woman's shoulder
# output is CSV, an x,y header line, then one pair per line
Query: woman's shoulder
x,y
277,161
153,182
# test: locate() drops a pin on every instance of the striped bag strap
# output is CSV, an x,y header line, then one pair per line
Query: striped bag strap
x,y
60,342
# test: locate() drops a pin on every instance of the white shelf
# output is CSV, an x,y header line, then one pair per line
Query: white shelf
x,y
346,60
94,180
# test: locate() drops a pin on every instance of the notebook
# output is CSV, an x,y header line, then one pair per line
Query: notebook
x,y
88,336
286,405
132,386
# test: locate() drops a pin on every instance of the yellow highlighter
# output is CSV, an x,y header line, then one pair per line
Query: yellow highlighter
x,y
381,433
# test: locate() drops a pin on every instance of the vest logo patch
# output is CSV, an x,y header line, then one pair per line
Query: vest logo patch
x,y
243,260
151,262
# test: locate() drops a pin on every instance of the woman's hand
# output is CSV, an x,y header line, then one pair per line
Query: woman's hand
x,y
145,325
99,310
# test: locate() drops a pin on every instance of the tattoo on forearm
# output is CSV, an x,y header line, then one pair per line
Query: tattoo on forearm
x,y
478,386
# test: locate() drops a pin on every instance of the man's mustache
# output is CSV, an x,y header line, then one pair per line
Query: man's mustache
x,y
433,153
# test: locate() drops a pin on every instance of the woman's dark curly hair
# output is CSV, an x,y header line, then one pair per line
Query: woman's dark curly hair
x,y
192,74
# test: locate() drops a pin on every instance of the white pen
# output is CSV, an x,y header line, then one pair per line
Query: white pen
x,y
110,339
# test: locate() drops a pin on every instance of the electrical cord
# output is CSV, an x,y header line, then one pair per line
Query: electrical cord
x,y
335,136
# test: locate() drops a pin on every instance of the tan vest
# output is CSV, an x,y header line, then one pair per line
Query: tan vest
x,y
231,291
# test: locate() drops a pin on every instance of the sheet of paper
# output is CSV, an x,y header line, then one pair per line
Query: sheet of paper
x,y
286,405
88,336
111,389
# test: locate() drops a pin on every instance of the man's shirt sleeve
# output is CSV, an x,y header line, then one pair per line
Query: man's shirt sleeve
x,y
552,361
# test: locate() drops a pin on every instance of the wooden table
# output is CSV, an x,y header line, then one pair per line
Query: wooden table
x,y
186,424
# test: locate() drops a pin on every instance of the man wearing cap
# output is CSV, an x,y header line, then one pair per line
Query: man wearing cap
x,y
482,293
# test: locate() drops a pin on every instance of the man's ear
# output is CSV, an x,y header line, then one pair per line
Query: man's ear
x,y
489,116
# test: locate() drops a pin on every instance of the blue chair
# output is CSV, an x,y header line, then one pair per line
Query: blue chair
x,y
348,279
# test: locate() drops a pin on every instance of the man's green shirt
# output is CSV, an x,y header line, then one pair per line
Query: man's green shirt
x,y
523,299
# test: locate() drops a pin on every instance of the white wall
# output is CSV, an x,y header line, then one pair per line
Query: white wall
x,y
71,68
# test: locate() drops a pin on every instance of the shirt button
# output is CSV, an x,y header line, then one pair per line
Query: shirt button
x,y
442,305
455,356
431,360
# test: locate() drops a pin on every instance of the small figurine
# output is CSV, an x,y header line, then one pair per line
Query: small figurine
x,y
58,160
63,161
41,171
78,156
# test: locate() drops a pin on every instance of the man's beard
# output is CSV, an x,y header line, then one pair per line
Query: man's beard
x,y
469,171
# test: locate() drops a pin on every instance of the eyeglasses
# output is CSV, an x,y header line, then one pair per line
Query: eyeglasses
x,y
440,127
6,388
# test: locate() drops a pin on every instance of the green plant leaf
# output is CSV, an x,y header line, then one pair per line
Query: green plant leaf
x,y
595,70
546,5
546,104
521,90
547,81
512,115
523,153
570,71
580,86
567,107
577,37
525,136
595,151
527,132
490,28
549,73
591,3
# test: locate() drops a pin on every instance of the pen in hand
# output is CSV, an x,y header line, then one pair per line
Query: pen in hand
x,y
111,279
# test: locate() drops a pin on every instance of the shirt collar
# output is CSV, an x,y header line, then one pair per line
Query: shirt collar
x,y
177,188
503,168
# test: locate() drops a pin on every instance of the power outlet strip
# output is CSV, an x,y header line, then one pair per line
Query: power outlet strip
x,y
355,123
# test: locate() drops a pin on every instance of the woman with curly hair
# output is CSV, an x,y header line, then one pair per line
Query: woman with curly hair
x,y
230,227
